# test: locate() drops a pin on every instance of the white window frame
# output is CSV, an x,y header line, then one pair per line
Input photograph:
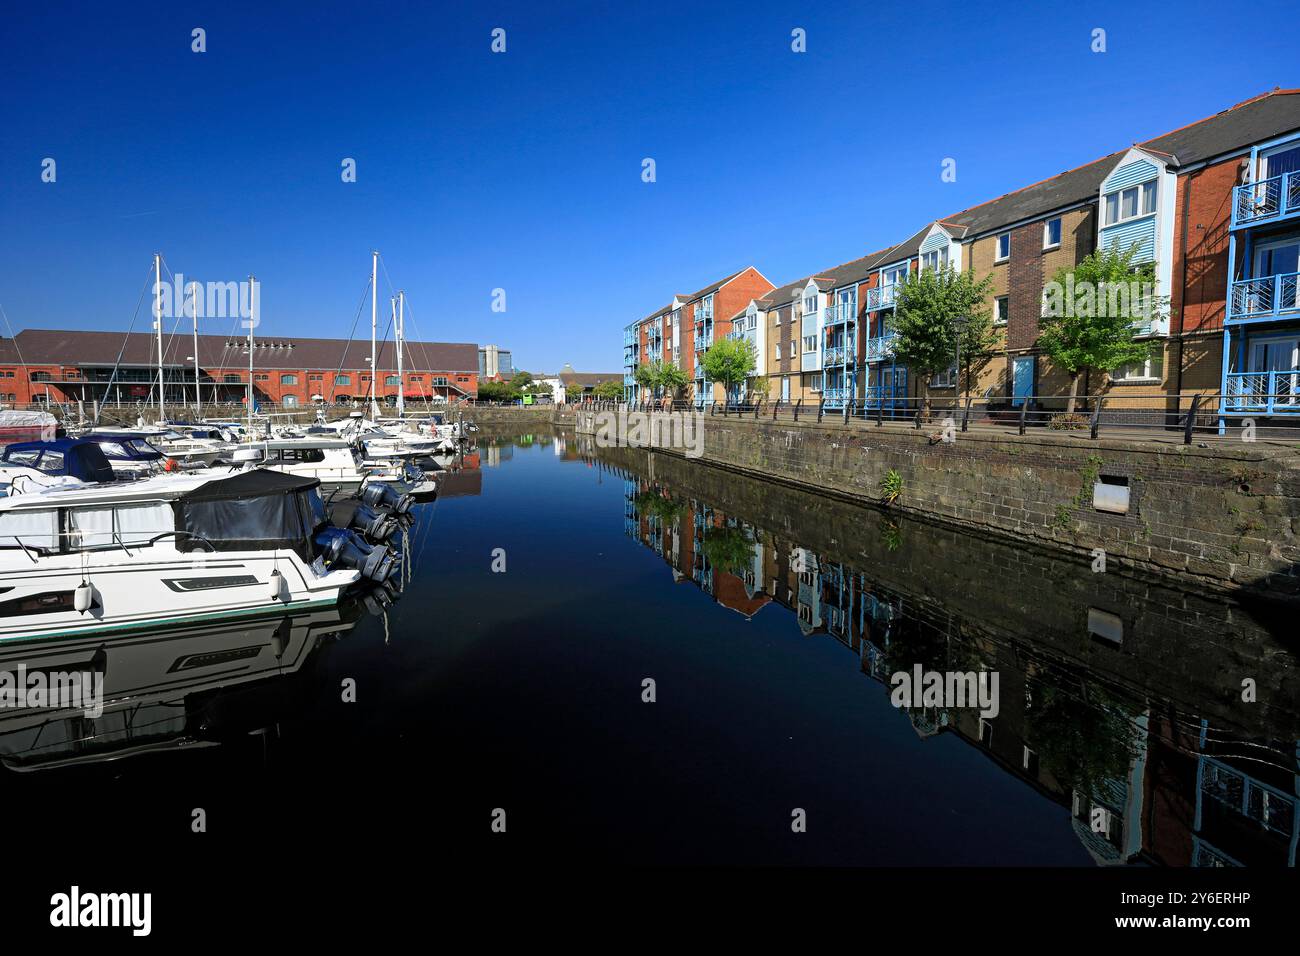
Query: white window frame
x,y
815,381
1148,373
806,348
810,297
1047,233
946,379
1141,192
998,254
935,259
999,300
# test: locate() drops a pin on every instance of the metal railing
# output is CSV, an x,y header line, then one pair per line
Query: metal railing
x,y
1264,297
1124,413
880,347
1266,392
1274,198
879,298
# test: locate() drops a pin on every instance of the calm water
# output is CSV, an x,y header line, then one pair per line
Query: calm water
x,y
770,622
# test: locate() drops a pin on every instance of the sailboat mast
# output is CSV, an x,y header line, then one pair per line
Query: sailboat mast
x,y
252,322
401,341
374,329
198,397
157,325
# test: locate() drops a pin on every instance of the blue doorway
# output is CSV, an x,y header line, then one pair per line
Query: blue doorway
x,y
1022,380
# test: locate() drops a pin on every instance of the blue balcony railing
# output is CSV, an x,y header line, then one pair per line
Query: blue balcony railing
x,y
703,342
837,315
880,298
1272,393
834,397
1264,298
1268,200
881,347
875,395
834,356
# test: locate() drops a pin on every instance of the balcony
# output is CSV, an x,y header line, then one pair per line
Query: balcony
x,y
1269,200
1270,393
1270,297
837,315
877,395
880,348
834,397
880,298
703,342
835,355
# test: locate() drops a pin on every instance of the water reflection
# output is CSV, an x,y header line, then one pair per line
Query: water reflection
x,y
1147,743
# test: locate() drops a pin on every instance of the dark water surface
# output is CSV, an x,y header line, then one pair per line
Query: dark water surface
x,y
770,622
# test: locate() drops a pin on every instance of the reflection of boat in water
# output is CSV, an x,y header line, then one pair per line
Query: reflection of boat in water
x,y
171,691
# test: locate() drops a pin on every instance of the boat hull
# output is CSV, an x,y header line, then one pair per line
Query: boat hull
x,y
156,591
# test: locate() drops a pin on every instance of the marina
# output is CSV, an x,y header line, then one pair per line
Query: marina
x,y
769,621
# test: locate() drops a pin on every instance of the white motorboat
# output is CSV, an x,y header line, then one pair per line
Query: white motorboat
x,y
331,461
93,559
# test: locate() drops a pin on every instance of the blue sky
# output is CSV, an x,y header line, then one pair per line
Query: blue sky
x,y
522,170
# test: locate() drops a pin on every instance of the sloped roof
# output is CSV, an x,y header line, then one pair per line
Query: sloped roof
x,y
65,347
1261,118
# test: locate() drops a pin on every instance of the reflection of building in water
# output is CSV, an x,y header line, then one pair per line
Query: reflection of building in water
x,y
1140,779
460,475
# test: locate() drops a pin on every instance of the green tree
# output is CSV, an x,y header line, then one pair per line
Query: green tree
x,y
934,312
609,390
1092,312
647,375
672,379
496,392
729,548
730,361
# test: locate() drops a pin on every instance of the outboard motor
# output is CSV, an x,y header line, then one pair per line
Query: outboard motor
x,y
377,494
377,526
343,548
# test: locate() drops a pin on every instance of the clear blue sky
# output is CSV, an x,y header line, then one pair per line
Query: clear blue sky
x,y
523,170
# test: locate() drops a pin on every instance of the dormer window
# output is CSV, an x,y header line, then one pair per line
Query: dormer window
x,y
1130,203
1004,248
935,260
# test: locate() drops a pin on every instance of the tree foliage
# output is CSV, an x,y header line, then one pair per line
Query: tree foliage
x,y
730,361
1092,310
935,310
609,390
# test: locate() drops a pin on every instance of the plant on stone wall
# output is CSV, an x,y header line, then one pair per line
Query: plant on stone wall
x,y
891,486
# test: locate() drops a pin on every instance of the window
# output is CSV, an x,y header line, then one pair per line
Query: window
x,y
231,379
810,303
1052,233
778,351
945,379
1001,309
1152,370
288,379
392,380
935,259
810,343
815,382
1004,248
342,379
440,380
288,400
1130,203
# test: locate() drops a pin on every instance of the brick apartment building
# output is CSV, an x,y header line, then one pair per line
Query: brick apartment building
x,y
1213,206
39,366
